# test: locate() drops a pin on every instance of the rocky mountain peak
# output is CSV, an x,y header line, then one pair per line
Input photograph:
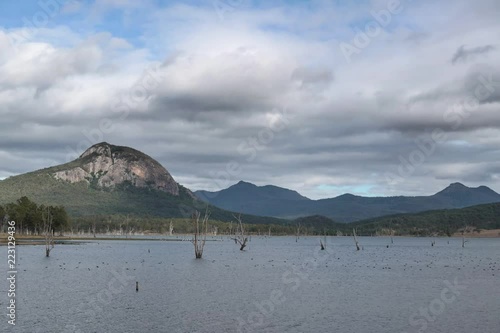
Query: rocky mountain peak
x,y
105,166
103,149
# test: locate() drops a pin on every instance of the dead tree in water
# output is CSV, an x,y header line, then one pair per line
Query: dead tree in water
x,y
297,232
200,233
356,240
465,230
48,232
171,229
322,242
241,238
127,229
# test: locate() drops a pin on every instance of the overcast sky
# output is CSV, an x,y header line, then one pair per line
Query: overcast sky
x,y
323,97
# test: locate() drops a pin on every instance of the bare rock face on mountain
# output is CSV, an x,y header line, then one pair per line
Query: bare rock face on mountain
x,y
106,166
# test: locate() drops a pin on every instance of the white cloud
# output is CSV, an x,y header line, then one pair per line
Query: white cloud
x,y
222,80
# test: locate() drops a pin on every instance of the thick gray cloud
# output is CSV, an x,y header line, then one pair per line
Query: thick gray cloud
x,y
268,89
464,55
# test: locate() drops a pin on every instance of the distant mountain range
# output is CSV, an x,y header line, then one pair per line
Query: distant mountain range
x,y
284,203
109,180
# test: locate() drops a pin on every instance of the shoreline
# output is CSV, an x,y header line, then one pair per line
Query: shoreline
x,y
69,240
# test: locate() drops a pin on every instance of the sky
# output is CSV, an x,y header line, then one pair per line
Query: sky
x,y
370,97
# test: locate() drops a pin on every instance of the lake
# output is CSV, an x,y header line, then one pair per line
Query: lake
x,y
276,285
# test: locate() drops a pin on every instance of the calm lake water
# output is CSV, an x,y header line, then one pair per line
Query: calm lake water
x,y
277,285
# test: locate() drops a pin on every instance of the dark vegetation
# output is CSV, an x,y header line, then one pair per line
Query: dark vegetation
x,y
30,217
130,224
439,222
82,200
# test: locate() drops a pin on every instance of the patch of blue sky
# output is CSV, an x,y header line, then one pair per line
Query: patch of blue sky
x,y
13,13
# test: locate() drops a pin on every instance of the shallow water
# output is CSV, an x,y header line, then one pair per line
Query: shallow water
x,y
277,285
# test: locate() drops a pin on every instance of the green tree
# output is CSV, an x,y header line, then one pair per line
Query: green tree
x,y
61,220
27,214
3,215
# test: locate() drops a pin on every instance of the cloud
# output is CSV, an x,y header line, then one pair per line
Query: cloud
x,y
312,78
220,84
464,55
236,81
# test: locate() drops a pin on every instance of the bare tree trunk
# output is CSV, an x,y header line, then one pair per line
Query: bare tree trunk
x,y
356,240
47,220
200,233
465,230
241,238
127,227
297,232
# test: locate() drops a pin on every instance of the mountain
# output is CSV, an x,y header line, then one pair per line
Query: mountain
x,y
460,195
247,197
108,179
106,166
283,203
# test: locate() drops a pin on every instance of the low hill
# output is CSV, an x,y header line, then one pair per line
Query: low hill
x,y
319,224
437,222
